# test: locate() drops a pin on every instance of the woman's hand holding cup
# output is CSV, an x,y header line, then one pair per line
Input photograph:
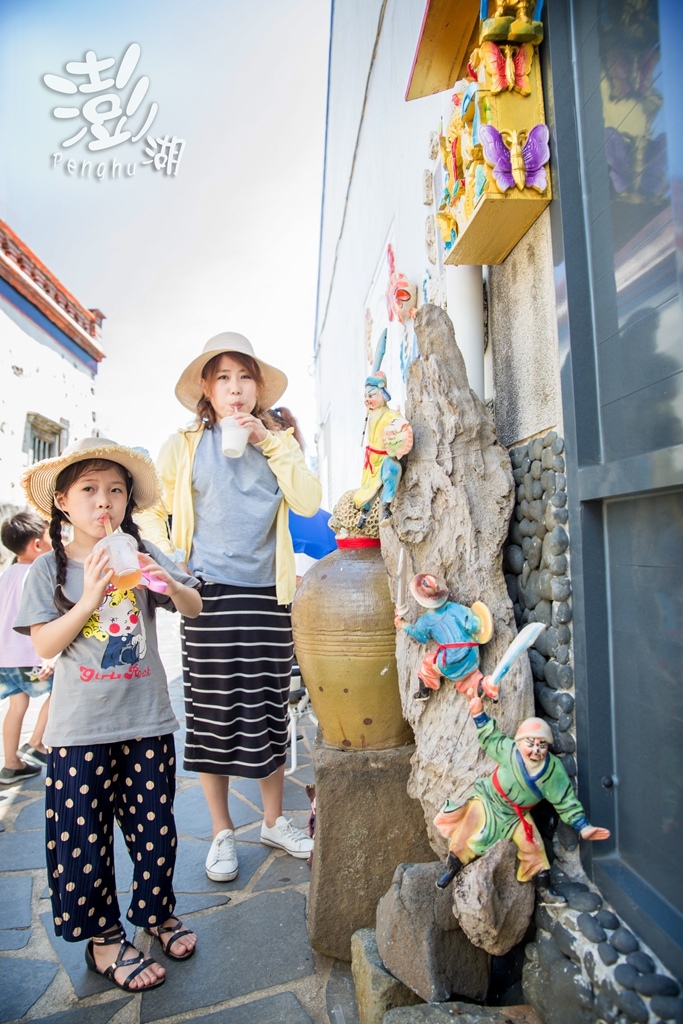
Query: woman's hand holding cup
x,y
257,430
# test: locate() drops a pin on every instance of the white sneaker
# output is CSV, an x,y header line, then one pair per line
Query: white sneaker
x,y
284,836
221,864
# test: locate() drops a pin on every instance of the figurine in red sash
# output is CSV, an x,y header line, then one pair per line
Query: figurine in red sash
x,y
388,437
526,773
458,631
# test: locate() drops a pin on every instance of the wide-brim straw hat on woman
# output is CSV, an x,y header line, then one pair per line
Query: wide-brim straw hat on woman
x,y
40,480
189,388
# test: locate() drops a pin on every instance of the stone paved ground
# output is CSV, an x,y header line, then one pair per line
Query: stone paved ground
x,y
254,964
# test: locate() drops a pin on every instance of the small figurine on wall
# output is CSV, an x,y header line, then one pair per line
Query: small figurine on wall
x,y
458,631
401,295
526,774
388,437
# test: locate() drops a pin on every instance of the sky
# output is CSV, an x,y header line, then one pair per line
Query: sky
x,y
229,242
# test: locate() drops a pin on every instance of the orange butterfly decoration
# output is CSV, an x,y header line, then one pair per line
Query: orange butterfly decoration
x,y
508,66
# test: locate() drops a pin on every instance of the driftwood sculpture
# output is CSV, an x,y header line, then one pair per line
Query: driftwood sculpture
x,y
451,514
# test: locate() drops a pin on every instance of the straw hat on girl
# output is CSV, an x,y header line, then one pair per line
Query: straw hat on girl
x,y
40,480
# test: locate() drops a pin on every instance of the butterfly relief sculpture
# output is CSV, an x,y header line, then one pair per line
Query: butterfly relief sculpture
x,y
518,159
508,66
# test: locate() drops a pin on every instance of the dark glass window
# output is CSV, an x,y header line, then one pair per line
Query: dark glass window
x,y
618,147
645,566
629,209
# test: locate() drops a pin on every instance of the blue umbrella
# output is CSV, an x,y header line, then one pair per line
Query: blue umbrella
x,y
311,535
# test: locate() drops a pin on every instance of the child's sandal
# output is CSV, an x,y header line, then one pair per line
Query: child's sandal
x,y
177,931
118,937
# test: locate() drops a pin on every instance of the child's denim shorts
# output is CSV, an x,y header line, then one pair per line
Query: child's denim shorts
x,y
23,680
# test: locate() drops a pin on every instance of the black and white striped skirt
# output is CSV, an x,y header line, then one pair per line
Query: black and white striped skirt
x,y
237,660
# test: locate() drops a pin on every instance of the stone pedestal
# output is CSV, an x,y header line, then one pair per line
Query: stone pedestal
x,y
420,941
366,824
377,991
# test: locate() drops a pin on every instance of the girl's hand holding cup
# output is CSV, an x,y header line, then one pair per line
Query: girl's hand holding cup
x,y
122,556
155,578
96,578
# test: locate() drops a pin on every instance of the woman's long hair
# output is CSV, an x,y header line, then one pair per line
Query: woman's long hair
x,y
66,479
285,419
206,414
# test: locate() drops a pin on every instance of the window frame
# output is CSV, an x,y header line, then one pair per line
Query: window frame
x,y
592,482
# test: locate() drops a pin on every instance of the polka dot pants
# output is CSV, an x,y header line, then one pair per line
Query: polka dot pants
x,y
86,789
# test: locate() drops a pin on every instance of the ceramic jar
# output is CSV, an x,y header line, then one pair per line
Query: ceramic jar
x,y
345,643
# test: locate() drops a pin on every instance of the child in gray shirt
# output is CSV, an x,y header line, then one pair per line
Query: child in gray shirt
x,y
110,729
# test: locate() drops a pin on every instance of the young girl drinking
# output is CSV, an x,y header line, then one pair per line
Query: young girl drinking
x,y
110,728
230,516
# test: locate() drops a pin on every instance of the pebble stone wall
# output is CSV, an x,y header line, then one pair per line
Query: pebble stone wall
x,y
537,575
584,966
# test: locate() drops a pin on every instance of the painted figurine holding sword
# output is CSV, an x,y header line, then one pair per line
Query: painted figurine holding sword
x,y
457,630
526,771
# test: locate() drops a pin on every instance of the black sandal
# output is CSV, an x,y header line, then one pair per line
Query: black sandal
x,y
175,931
118,937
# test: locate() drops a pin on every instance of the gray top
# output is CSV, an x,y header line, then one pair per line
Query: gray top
x,y
109,683
235,509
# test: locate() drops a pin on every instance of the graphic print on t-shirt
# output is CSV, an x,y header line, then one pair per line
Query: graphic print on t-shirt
x,y
119,624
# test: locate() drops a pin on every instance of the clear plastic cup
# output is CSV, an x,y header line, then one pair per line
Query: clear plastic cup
x,y
234,438
123,559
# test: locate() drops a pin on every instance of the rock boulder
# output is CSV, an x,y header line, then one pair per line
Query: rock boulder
x,y
491,906
420,941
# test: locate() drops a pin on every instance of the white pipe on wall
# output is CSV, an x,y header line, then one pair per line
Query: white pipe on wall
x,y
465,300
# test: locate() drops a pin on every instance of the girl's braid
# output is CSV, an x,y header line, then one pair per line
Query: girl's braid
x,y
128,525
62,602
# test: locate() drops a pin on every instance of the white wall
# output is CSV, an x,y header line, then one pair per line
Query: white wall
x,y
374,193
47,380
384,201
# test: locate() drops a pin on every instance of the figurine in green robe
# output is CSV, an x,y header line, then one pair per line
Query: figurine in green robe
x,y
526,773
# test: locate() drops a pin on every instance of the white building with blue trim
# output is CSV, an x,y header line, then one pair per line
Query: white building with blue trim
x,y
50,351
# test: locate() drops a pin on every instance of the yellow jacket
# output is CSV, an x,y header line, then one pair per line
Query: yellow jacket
x,y
300,489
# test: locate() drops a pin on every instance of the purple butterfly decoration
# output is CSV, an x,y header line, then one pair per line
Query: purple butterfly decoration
x,y
520,165
620,151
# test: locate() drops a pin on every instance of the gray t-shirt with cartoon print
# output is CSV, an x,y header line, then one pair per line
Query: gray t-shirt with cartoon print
x,y
109,683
